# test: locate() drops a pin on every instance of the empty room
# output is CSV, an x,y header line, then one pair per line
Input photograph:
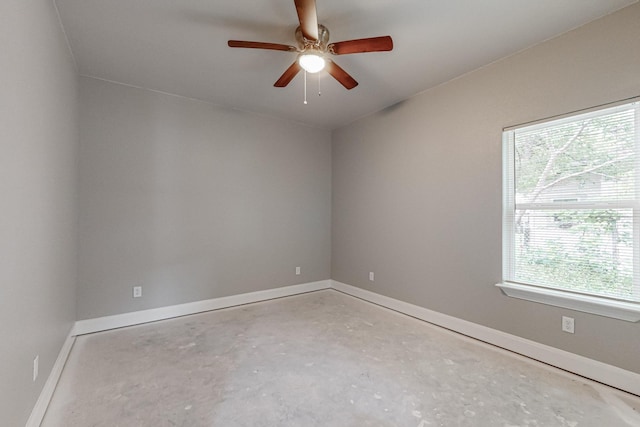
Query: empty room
x,y
320,213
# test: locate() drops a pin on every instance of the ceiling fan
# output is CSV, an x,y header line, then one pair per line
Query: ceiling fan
x,y
313,47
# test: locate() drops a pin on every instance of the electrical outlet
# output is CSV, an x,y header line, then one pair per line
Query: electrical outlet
x,y
371,276
568,324
137,291
36,362
297,271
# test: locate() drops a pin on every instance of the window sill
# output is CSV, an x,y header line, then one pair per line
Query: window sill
x,y
622,310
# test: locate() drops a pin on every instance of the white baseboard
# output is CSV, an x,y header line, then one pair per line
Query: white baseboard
x,y
37,414
592,369
144,316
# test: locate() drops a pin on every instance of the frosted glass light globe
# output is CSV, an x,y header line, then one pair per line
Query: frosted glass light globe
x,y
311,62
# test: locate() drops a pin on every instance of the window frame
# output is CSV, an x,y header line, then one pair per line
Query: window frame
x,y
599,305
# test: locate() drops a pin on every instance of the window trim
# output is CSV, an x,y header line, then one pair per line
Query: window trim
x,y
623,310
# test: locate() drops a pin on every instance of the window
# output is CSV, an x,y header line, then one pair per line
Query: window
x,y
571,225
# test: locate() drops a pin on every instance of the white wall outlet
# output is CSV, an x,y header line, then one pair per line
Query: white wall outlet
x,y
371,276
137,291
297,271
568,324
36,362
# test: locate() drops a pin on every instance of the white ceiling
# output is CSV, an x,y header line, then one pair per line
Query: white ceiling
x,y
180,47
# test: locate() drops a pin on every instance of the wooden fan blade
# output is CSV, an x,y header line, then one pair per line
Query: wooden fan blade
x,y
288,75
340,75
308,17
261,45
373,44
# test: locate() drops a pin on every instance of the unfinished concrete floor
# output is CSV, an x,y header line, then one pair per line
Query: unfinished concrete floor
x,y
318,359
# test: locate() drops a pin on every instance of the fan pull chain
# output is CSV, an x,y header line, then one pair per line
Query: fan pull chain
x,y
319,91
305,87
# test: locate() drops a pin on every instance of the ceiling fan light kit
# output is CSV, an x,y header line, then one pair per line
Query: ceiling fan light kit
x,y
311,62
313,47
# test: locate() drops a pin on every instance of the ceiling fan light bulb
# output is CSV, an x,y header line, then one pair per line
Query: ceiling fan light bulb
x,y
311,62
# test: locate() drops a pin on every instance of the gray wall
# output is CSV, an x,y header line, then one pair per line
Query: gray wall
x,y
38,216
194,201
417,188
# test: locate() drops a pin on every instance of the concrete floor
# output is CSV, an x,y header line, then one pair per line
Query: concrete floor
x,y
319,359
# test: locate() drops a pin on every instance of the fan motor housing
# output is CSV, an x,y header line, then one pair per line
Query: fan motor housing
x,y
320,44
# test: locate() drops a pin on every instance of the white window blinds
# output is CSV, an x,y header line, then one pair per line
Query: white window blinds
x,y
572,212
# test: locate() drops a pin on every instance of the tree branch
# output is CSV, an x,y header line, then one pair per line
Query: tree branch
x,y
547,168
552,159
588,170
